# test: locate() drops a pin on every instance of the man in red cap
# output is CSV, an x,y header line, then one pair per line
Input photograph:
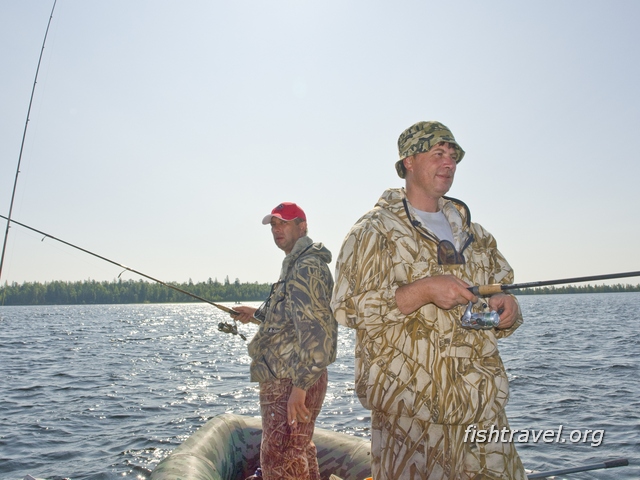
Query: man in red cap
x,y
296,341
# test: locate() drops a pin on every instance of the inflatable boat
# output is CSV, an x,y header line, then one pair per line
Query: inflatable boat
x,y
227,447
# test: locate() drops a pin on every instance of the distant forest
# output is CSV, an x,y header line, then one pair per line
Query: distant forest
x,y
577,289
90,292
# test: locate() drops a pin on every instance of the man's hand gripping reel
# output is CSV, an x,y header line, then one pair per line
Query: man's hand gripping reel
x,y
230,328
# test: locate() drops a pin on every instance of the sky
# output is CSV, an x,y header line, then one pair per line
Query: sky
x,y
161,132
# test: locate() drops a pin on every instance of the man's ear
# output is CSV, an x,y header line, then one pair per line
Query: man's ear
x,y
408,163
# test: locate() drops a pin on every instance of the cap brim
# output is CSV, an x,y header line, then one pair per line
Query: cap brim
x,y
267,220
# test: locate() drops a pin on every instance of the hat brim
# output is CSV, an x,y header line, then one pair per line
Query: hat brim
x,y
401,170
267,219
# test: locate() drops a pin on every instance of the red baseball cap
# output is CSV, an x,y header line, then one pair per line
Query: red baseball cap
x,y
286,211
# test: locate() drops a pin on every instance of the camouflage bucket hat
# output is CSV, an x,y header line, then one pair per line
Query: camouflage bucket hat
x,y
420,137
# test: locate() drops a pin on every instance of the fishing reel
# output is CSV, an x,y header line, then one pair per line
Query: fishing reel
x,y
479,321
229,328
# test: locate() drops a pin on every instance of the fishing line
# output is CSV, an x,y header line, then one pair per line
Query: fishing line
x,y
223,327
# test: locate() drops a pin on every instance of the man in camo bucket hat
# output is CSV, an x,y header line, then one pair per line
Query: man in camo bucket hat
x,y
401,283
420,137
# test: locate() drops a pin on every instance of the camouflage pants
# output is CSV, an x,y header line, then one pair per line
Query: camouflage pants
x,y
288,453
405,448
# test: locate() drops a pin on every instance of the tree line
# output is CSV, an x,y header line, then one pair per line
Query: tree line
x,y
578,289
90,292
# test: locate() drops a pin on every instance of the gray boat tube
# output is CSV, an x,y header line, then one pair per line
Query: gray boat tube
x,y
227,447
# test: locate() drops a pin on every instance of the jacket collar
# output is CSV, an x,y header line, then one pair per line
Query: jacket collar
x,y
456,212
301,246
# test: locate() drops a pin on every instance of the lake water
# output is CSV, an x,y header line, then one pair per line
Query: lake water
x,y
105,392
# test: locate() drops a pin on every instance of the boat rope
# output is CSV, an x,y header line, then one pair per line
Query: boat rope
x,y
24,134
223,327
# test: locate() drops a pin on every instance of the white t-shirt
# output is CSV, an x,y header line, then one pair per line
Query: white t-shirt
x,y
437,223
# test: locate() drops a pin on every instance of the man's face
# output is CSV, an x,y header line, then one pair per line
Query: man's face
x,y
432,172
286,234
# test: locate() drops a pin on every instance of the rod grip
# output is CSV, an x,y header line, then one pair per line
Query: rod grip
x,y
486,290
620,462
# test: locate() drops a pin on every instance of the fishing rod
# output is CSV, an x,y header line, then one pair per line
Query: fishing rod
x,y
486,290
621,462
24,134
223,327
489,320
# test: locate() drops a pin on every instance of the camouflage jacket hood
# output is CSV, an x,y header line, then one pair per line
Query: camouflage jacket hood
x,y
298,336
404,363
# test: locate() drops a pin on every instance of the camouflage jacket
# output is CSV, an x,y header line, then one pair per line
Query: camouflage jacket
x,y
298,336
423,364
